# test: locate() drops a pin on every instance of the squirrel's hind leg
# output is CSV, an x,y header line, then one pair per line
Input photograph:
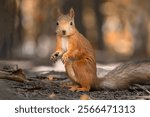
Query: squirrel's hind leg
x,y
85,74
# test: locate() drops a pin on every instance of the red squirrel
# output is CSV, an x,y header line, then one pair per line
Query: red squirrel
x,y
78,56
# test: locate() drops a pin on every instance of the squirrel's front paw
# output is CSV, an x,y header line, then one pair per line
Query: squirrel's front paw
x,y
65,58
54,56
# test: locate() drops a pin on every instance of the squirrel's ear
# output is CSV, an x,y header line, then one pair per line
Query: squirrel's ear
x,y
71,13
59,13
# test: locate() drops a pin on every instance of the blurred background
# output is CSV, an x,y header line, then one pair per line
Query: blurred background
x,y
119,30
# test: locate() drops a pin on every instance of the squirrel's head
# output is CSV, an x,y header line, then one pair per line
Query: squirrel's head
x,y
65,23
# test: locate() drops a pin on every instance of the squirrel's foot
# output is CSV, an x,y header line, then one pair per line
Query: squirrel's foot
x,y
54,57
82,89
76,88
73,88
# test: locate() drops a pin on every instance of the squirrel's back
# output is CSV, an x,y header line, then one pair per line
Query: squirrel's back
x,y
135,72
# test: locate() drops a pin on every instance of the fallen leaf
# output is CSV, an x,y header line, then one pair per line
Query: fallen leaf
x,y
85,97
52,96
50,77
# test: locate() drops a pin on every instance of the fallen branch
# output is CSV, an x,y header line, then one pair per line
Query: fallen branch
x,y
13,77
17,75
143,88
143,97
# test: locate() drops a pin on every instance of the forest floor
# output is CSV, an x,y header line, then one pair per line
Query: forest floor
x,y
45,83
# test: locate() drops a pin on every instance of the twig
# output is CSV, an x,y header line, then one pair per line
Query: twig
x,y
4,72
143,88
17,75
13,77
143,97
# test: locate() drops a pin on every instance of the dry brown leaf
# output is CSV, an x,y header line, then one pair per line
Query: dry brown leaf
x,y
52,96
50,77
85,97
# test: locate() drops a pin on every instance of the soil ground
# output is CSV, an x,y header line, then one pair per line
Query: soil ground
x,y
47,84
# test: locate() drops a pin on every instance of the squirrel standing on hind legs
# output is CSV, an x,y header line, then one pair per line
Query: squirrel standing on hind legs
x,y
78,57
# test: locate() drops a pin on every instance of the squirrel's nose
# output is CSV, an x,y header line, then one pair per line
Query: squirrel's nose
x,y
63,32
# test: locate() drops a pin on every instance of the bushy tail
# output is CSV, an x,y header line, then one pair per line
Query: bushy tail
x,y
137,72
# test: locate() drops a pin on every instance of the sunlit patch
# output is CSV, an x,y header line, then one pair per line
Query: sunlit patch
x,y
29,47
43,46
59,67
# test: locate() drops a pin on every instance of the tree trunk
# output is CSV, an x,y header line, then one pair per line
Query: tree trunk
x,y
7,25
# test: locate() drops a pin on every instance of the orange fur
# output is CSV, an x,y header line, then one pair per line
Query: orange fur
x,y
78,57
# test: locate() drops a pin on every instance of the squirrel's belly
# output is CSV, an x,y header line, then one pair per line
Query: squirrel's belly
x,y
65,43
70,72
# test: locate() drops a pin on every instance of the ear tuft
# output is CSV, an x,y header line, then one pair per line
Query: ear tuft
x,y
71,13
59,13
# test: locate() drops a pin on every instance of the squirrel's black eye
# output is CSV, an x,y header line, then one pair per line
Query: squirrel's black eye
x,y
71,23
57,23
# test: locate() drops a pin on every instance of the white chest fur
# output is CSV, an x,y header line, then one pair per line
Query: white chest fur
x,y
65,43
